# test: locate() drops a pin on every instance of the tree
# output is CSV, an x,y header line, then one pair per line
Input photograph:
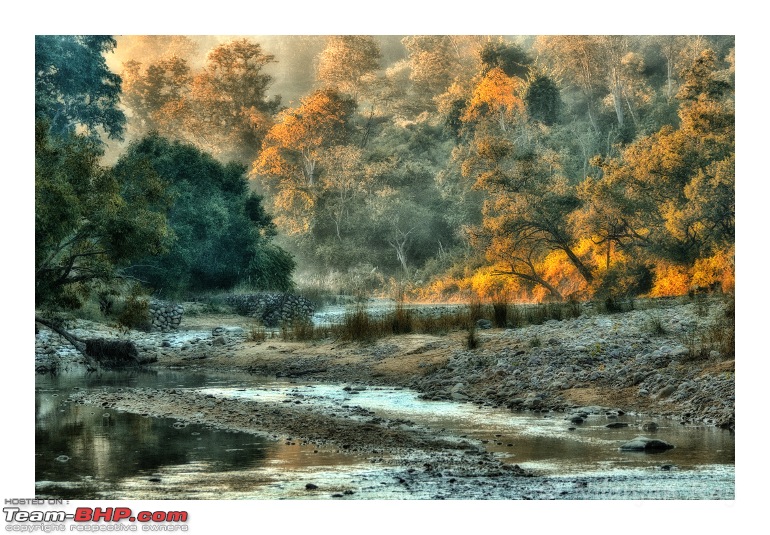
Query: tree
x,y
74,88
509,57
543,100
223,236
292,149
344,183
222,109
497,96
91,222
347,61
575,59
672,193
402,223
528,201
437,62
156,94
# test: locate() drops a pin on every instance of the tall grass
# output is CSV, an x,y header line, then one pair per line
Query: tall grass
x,y
718,338
361,325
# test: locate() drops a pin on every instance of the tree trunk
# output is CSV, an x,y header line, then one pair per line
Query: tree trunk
x,y
77,343
581,267
617,100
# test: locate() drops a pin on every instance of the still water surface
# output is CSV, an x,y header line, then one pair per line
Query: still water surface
x,y
86,452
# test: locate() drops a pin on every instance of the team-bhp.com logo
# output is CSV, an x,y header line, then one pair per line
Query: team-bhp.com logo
x,y
94,519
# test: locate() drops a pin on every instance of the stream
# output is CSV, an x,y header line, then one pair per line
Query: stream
x,y
87,452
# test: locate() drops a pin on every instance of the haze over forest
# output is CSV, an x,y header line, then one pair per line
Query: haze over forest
x,y
447,167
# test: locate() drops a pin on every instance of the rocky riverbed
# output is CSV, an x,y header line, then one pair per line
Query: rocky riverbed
x,y
644,360
597,366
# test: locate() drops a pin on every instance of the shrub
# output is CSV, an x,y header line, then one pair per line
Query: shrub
x,y
500,312
472,341
134,312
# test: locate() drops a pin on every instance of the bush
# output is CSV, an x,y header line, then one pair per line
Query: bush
x,y
500,312
472,341
134,311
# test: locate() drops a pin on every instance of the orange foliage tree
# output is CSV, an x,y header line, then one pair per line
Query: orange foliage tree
x,y
496,95
673,193
222,108
292,149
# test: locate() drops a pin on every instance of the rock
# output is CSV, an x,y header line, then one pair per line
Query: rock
x,y
650,426
219,341
483,324
616,425
647,445
311,486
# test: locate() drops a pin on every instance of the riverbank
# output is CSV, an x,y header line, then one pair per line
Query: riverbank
x,y
634,369
642,361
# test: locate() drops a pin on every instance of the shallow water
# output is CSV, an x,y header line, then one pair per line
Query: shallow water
x,y
84,451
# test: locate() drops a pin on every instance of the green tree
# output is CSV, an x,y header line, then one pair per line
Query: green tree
x,y
543,100
91,222
223,237
510,58
74,88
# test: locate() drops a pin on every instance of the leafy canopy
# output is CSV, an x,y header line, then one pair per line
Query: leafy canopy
x,y
90,221
223,235
74,88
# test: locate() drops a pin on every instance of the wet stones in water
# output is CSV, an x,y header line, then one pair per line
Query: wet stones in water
x,y
311,486
647,445
650,426
577,419
616,425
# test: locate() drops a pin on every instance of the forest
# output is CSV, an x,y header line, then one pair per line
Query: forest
x,y
437,167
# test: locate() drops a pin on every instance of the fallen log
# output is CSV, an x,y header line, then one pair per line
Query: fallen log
x,y
76,342
109,353
112,353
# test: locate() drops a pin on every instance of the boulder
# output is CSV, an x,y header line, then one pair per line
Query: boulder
x,y
647,445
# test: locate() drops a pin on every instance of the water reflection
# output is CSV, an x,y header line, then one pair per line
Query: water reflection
x,y
88,452
81,450
548,440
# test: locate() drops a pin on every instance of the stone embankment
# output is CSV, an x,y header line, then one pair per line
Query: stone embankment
x,y
273,309
165,316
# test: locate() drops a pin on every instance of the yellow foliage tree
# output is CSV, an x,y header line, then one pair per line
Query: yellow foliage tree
x,y
496,95
291,152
